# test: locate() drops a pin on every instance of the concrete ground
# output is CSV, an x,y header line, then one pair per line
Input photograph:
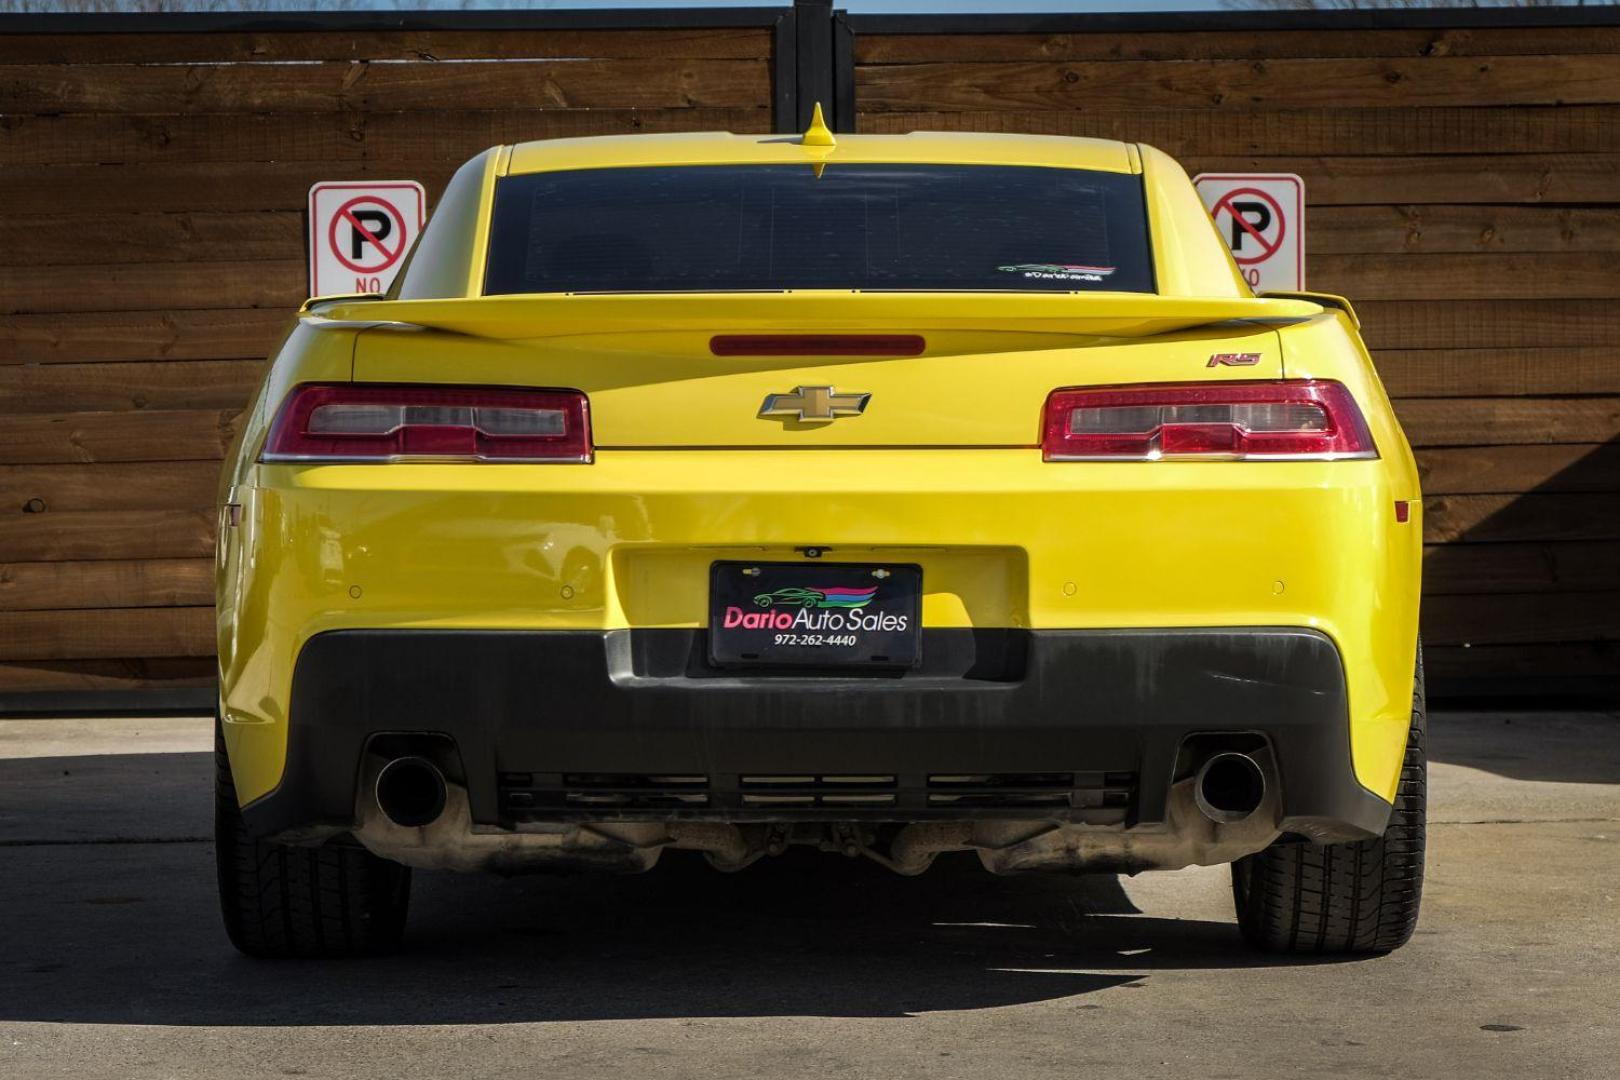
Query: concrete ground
x,y
113,963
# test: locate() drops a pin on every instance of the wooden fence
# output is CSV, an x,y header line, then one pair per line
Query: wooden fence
x,y
1463,189
152,189
1464,182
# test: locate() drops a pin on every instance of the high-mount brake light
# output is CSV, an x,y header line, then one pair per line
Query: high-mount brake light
x,y
1288,420
817,345
386,422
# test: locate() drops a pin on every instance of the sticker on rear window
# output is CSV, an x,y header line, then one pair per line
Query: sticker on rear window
x,y
1058,271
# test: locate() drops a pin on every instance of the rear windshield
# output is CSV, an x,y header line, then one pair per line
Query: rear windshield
x,y
752,227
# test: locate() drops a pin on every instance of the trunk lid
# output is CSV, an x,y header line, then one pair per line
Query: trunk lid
x,y
648,367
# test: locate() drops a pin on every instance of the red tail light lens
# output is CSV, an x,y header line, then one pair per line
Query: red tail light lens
x,y
381,422
1301,418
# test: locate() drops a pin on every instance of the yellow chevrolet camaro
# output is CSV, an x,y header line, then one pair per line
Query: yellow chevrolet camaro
x,y
892,495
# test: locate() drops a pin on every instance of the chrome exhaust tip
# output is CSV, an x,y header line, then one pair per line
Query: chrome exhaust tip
x,y
411,792
1229,787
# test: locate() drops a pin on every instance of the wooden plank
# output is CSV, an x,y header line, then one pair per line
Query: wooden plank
x,y
1245,84
111,534
108,674
150,435
1480,324
1568,275
1351,230
1500,518
238,187
351,136
1490,569
1486,662
110,387
721,43
146,485
337,137
1484,470
1324,130
192,188
110,584
281,284
189,334
658,82
1452,179
115,632
459,134
90,239
1506,372
1515,619
1499,421
1232,45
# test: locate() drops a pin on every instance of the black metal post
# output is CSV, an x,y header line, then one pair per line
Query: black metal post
x,y
814,61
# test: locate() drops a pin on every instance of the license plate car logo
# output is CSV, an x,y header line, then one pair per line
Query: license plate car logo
x,y
825,597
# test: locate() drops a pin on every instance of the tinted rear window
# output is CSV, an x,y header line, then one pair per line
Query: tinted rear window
x,y
749,227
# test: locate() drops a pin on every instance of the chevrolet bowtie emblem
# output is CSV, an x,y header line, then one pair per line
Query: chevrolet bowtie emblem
x,y
817,404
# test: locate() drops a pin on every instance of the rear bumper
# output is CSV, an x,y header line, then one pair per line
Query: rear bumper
x,y
1092,726
628,543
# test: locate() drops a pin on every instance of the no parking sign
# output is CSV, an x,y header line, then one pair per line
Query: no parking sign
x,y
1262,218
360,232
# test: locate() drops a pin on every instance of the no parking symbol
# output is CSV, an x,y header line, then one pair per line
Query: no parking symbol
x,y
360,232
1261,217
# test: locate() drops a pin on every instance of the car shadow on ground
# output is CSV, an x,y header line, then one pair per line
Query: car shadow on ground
x,y
807,935
126,930
1568,747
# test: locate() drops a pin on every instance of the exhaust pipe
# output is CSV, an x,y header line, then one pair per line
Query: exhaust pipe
x,y
1229,787
411,792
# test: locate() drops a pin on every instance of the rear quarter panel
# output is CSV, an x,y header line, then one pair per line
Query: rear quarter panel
x,y
1383,576
246,628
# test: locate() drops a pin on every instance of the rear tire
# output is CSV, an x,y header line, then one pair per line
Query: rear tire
x,y
284,901
1361,897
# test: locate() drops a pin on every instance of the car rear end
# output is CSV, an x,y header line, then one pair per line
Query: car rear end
x,y
911,496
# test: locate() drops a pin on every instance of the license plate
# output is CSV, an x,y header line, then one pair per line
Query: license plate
x,y
815,614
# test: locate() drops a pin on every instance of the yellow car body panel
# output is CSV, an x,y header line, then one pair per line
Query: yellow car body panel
x,y
629,542
944,470
646,389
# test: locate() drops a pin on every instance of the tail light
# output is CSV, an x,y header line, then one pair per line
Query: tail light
x,y
1301,418
382,422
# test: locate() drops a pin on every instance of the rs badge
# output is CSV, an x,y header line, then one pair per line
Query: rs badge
x,y
1234,359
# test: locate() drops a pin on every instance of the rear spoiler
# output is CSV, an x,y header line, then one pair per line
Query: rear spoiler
x,y
1127,315
1327,300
